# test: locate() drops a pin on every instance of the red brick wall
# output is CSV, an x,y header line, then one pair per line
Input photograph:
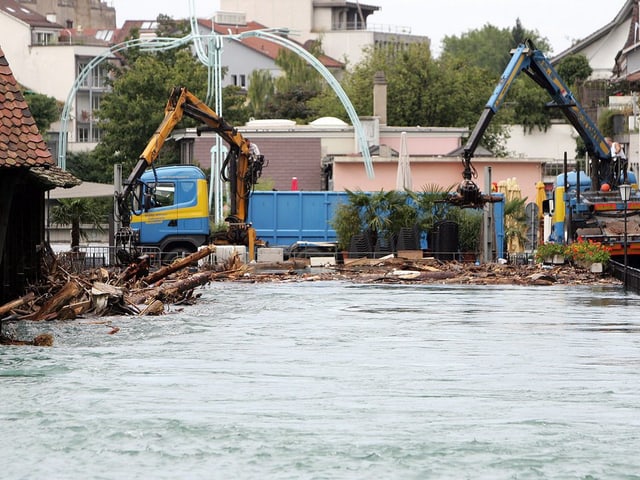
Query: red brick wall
x,y
285,157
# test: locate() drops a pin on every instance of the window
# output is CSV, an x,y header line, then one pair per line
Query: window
x,y
105,35
243,81
95,103
83,134
96,135
98,77
234,80
43,38
81,66
164,195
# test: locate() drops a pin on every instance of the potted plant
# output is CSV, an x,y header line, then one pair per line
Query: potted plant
x,y
347,223
469,229
432,208
515,224
550,253
589,255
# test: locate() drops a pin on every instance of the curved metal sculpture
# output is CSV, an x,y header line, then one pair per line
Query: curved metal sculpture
x,y
211,57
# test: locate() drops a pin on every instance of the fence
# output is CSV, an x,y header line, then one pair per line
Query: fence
x,y
633,275
87,257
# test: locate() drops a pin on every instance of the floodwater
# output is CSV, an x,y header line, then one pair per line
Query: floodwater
x,y
333,380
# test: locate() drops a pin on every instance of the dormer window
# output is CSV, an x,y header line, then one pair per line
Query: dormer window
x,y
43,38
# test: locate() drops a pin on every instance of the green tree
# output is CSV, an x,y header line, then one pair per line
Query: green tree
x,y
261,90
140,87
74,212
526,106
44,109
487,47
86,166
446,92
297,71
290,95
490,46
293,104
234,108
574,70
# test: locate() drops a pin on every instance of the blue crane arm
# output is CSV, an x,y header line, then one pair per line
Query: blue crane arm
x,y
526,58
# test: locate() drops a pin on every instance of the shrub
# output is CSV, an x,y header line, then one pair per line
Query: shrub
x,y
588,252
548,250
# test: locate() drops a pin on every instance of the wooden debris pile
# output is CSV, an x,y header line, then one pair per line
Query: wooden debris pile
x,y
137,291
102,291
430,270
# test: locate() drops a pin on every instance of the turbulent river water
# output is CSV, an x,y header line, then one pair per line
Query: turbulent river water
x,y
334,380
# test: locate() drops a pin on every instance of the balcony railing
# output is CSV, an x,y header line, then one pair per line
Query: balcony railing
x,y
371,27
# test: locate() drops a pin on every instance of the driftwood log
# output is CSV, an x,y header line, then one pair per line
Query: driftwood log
x,y
170,290
50,309
17,303
178,265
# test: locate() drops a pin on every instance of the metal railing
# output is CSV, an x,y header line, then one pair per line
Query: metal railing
x,y
87,257
633,275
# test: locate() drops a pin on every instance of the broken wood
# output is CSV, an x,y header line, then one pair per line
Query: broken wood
x,y
179,265
138,269
17,303
59,300
170,291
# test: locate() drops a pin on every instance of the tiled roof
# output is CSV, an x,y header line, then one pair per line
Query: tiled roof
x,y
30,17
21,144
144,27
265,47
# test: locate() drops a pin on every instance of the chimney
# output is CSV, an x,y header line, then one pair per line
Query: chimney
x,y
380,97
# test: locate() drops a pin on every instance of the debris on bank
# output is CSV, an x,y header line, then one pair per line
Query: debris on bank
x,y
136,290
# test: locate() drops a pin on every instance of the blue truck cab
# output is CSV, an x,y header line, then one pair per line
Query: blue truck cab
x,y
174,215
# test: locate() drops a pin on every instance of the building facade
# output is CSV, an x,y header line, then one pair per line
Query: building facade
x,y
341,25
48,58
75,13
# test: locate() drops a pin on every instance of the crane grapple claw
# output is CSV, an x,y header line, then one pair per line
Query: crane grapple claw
x,y
468,195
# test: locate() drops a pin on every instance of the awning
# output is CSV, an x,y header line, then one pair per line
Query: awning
x,y
84,190
52,177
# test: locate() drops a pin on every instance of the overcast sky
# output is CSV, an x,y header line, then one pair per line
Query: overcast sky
x,y
561,21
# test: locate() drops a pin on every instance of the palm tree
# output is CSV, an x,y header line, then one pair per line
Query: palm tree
x,y
75,211
515,222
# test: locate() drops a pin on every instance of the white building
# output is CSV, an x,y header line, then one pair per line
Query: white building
x,y
340,24
47,58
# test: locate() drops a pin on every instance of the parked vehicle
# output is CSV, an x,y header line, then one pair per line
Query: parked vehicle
x,y
167,207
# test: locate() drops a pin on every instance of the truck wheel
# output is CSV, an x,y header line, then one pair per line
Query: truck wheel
x,y
175,253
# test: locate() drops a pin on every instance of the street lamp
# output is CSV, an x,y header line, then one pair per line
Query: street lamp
x,y
625,194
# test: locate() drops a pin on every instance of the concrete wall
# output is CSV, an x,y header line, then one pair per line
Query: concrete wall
x,y
550,144
15,39
295,14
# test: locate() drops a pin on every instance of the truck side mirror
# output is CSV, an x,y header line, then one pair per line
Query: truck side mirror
x,y
147,202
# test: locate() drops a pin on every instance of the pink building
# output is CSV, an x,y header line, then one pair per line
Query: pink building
x,y
322,157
